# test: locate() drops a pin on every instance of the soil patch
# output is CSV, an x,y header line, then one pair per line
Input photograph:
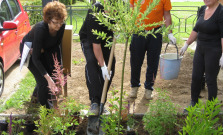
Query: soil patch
x,y
179,89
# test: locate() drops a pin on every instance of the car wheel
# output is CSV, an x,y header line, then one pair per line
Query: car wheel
x,y
2,79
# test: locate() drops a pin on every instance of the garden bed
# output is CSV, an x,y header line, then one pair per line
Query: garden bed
x,y
81,128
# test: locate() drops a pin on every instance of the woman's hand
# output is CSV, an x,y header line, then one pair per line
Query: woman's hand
x,y
51,83
31,51
183,49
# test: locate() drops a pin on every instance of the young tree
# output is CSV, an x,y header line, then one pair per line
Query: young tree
x,y
125,21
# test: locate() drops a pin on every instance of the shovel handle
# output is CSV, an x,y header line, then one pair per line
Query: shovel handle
x,y
104,93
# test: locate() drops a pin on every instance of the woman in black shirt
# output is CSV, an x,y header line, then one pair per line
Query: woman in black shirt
x,y
46,37
208,54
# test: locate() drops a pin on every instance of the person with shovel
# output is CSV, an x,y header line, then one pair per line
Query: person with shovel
x,y
208,57
97,57
150,44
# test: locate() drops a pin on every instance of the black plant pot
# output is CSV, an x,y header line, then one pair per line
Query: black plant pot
x,y
3,125
30,126
131,133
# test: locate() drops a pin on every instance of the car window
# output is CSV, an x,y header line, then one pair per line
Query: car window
x,y
4,13
15,7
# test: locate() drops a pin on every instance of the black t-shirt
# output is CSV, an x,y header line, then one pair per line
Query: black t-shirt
x,y
91,23
41,39
210,31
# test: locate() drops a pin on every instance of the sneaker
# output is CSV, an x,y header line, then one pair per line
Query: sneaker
x,y
94,109
133,93
192,103
148,94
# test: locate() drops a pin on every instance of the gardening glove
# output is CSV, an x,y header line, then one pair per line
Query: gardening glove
x,y
221,61
183,49
104,70
172,38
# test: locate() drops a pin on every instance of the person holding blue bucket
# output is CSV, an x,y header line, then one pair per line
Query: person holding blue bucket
x,y
208,57
150,44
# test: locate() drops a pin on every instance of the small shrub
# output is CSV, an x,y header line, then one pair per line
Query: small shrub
x,y
202,119
161,117
110,122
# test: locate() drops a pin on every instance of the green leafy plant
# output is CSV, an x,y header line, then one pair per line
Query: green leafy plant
x,y
161,117
15,126
59,118
32,110
110,122
51,121
71,107
78,61
131,122
203,119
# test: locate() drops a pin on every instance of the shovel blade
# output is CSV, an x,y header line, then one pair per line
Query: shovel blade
x,y
93,125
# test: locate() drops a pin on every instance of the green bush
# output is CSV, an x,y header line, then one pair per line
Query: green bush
x,y
68,2
203,120
34,16
161,117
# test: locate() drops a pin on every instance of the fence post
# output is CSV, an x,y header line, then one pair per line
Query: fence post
x,y
44,2
70,15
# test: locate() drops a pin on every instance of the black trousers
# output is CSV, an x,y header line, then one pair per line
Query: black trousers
x,y
206,59
41,90
138,47
93,73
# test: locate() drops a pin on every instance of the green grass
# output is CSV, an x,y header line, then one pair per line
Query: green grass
x,y
22,94
187,19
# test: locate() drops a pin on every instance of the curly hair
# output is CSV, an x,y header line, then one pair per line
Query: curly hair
x,y
54,9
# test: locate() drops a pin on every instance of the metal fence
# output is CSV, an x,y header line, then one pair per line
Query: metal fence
x,y
184,17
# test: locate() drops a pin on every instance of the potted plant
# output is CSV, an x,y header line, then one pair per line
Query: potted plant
x,y
131,125
72,108
3,125
15,126
32,111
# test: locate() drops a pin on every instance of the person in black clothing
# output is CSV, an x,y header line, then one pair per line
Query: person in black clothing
x,y
97,56
208,54
46,37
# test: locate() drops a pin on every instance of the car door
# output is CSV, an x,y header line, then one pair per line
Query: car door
x,y
8,38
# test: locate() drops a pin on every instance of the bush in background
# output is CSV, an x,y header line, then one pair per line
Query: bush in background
x,y
34,16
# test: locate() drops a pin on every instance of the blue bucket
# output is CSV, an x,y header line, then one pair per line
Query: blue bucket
x,y
170,65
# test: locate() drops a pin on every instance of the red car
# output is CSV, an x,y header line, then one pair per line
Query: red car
x,y
14,25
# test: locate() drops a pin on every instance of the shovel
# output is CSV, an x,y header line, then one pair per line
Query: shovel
x,y
94,121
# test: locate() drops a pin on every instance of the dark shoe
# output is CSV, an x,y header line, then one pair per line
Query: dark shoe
x,y
150,88
192,103
94,110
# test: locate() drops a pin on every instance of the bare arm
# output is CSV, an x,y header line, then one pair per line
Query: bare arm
x,y
192,37
98,54
168,19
